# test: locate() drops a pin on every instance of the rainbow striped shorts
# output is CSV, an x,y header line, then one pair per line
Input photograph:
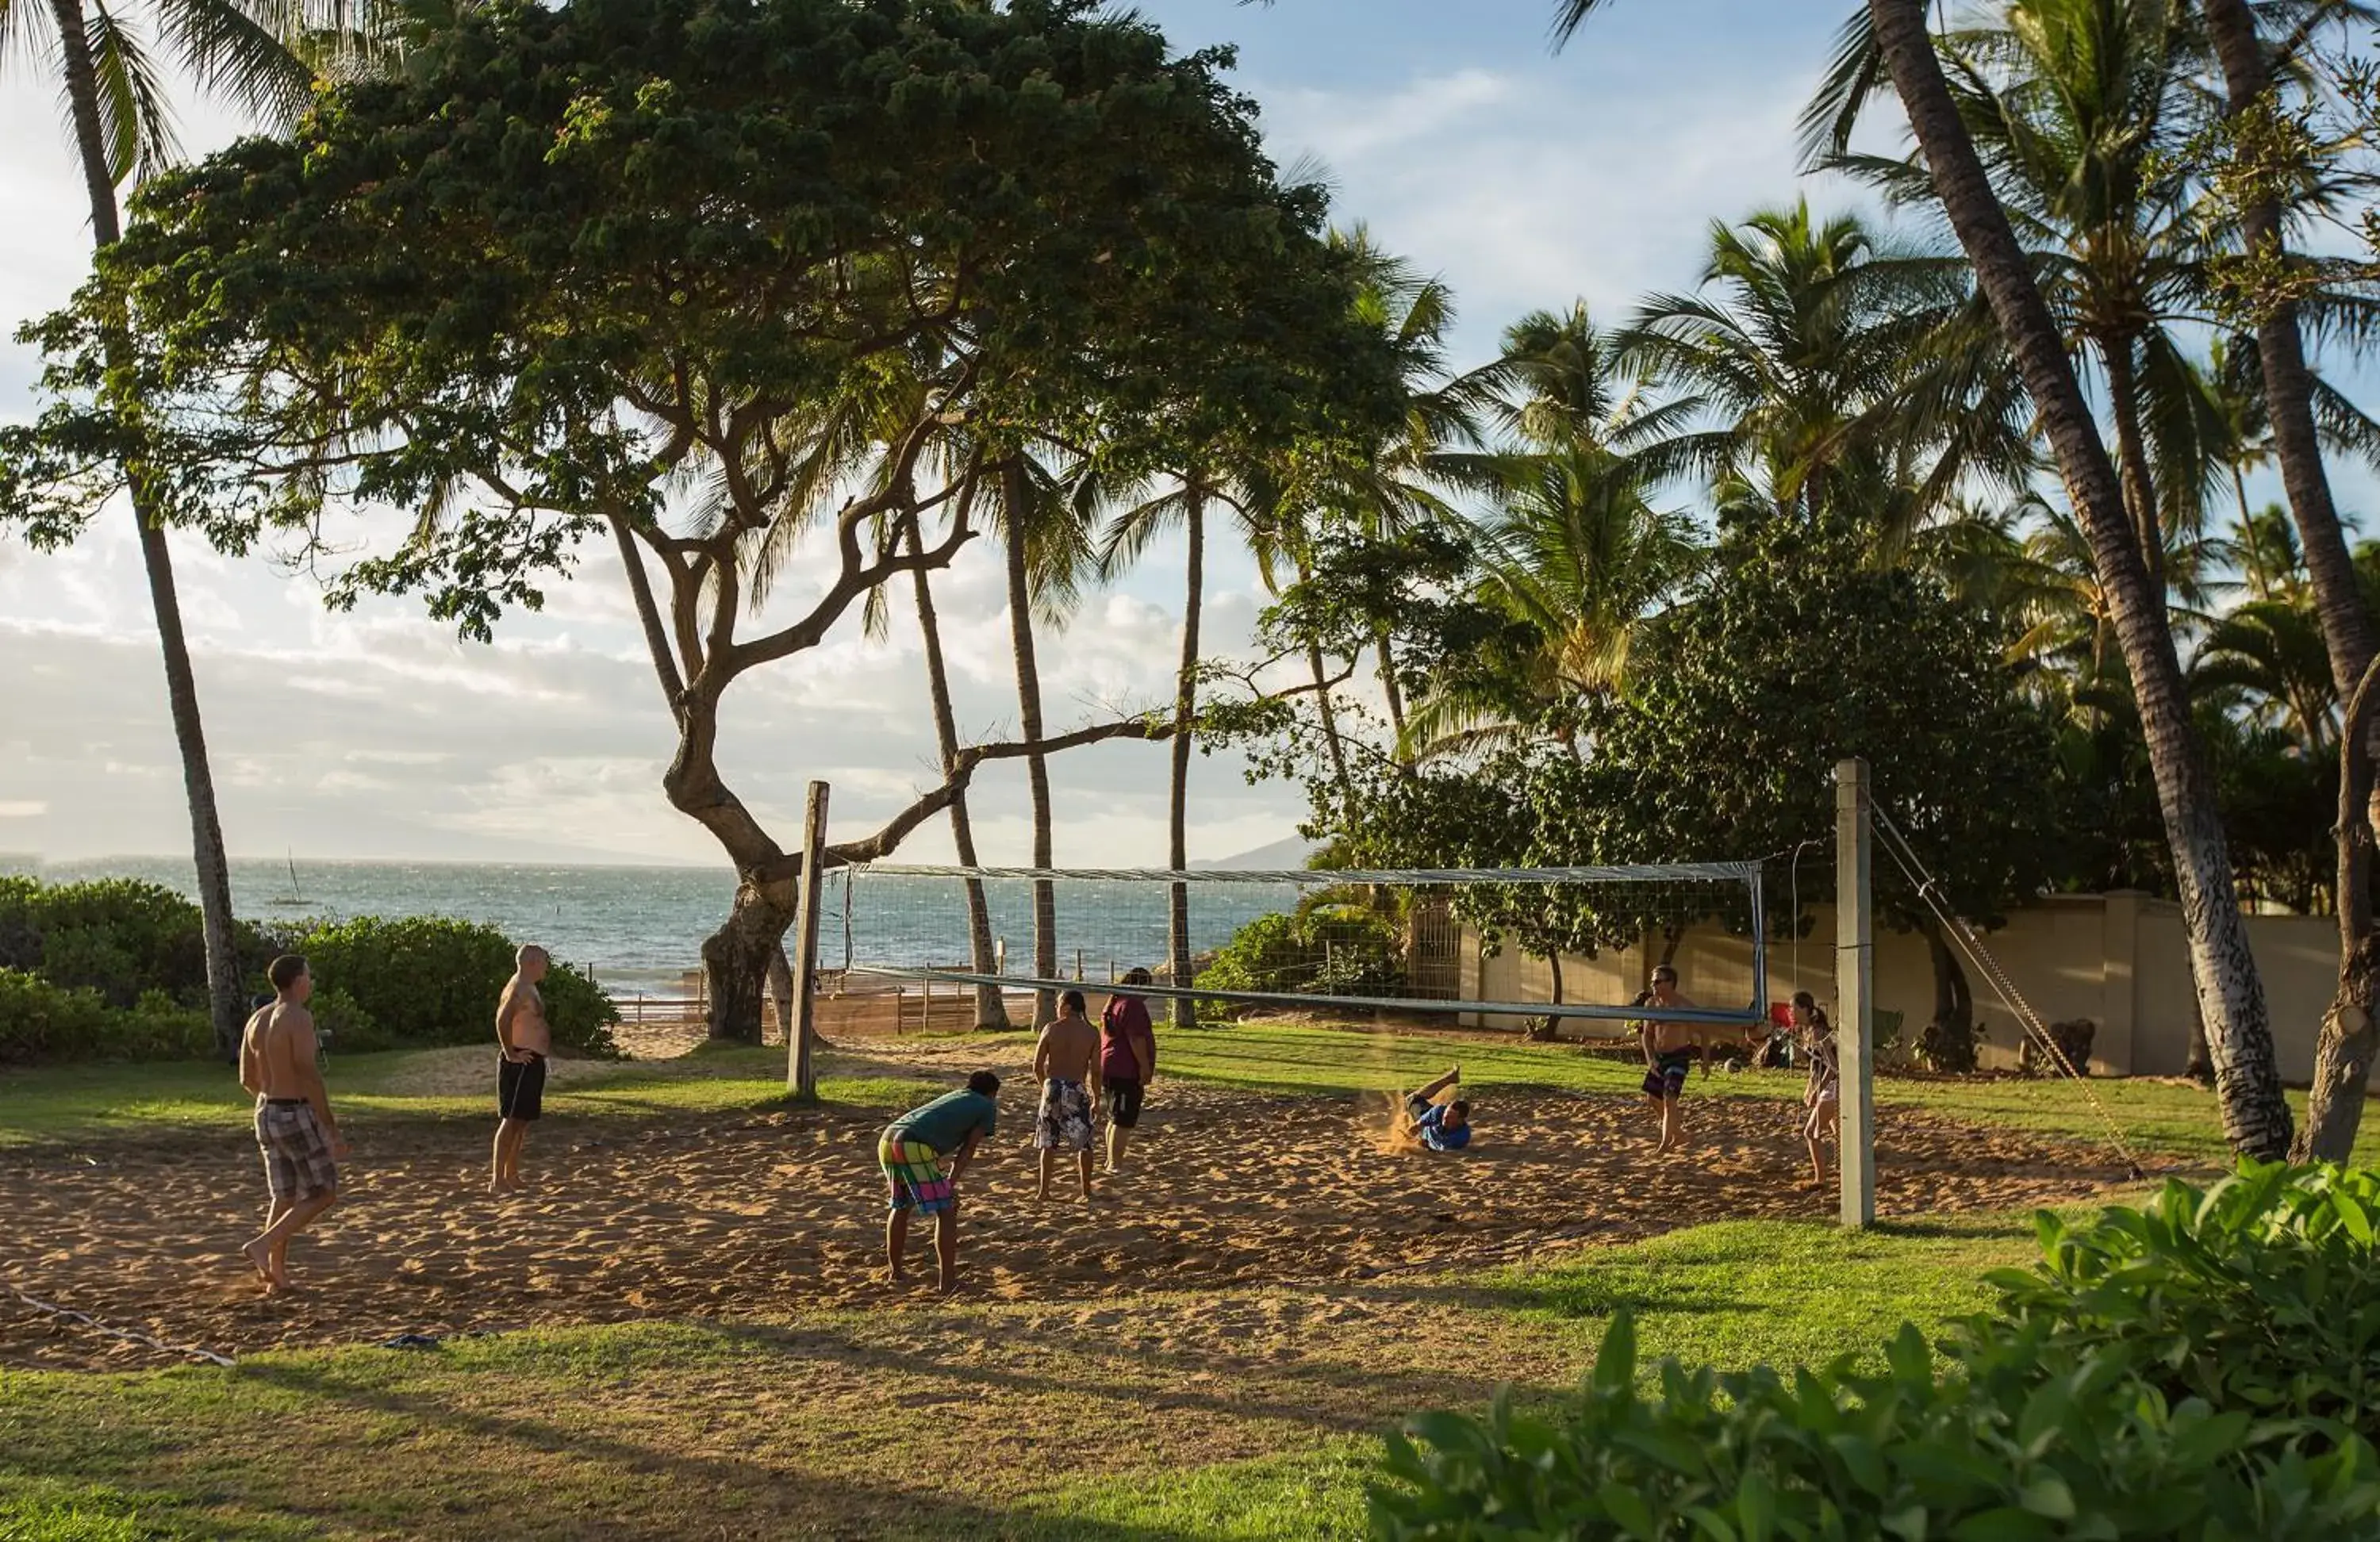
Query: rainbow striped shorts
x,y
914,1176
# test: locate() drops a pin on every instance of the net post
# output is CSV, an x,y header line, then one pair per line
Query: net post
x,y
801,1068
1759,947
1855,994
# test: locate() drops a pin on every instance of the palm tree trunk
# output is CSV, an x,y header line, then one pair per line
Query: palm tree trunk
x,y
2133,456
990,1008
1185,709
2349,1038
1331,741
1018,495
1331,744
2288,384
224,995
2231,996
1390,690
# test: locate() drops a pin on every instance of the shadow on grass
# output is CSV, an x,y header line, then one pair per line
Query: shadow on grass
x,y
1328,1396
761,1497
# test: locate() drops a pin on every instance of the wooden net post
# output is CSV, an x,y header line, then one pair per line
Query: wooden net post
x,y
801,1068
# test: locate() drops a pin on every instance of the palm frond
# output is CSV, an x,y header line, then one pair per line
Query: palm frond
x,y
136,123
1854,77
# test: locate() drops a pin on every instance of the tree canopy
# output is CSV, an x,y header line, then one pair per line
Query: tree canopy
x,y
628,266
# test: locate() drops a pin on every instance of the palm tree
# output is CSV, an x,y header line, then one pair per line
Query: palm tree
x,y
1401,482
2232,998
1185,505
261,58
1574,551
843,444
1577,557
1837,375
1045,538
2288,384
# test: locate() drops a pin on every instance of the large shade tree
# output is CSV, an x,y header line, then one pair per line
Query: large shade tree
x,y
574,257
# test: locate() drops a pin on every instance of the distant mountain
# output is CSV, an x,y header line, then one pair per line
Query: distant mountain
x,y
1289,851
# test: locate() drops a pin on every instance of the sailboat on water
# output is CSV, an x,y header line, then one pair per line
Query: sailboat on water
x,y
294,900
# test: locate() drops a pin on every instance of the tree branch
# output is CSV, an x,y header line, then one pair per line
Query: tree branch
x,y
963,768
656,634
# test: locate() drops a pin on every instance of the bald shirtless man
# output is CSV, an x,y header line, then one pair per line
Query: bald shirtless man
x,y
1066,1064
523,1040
299,1140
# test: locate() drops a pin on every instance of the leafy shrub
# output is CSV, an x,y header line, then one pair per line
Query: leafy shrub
x,y
42,1021
158,1027
121,937
1332,946
2026,1439
430,979
39,1020
344,1027
2259,1294
2207,1367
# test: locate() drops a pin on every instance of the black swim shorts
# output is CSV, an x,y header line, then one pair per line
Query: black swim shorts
x,y
1123,1102
520,1087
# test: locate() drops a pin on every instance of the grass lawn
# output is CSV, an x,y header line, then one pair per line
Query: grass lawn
x,y
1249,1412
966,1420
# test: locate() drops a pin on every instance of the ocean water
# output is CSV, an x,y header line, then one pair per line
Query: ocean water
x,y
640,927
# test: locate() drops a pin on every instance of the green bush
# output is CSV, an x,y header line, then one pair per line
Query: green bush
x,y
2260,1293
121,937
39,1020
2025,1439
2206,1368
42,1021
430,979
1334,945
344,1027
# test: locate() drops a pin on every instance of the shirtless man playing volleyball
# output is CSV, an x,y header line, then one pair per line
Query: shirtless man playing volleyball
x,y
299,1140
1670,1046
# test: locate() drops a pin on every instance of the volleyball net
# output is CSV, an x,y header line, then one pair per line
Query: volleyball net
x,y
1439,942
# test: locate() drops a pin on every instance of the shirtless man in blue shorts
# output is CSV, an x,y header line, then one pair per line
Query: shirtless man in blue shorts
x,y
1670,1049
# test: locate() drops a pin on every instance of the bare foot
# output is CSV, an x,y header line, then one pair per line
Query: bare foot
x,y
259,1256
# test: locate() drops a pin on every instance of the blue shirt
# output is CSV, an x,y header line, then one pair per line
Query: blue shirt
x,y
946,1122
1437,1136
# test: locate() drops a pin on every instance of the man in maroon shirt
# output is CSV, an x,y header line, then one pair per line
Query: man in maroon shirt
x,y
1127,1062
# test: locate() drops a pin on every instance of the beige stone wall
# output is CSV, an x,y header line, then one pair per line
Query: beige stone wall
x,y
2119,960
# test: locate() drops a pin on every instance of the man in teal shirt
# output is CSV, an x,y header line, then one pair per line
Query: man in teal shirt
x,y
923,1153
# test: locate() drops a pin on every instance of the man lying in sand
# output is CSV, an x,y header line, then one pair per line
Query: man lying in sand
x,y
913,1151
299,1140
1670,1049
1066,1064
523,1040
1439,1126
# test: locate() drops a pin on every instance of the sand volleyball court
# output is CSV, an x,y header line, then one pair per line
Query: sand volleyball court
x,y
749,1214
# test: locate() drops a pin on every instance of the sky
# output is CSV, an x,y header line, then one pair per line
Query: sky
x,y
1527,179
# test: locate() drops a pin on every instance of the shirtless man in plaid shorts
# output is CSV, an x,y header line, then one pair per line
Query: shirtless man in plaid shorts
x,y
914,1152
299,1140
